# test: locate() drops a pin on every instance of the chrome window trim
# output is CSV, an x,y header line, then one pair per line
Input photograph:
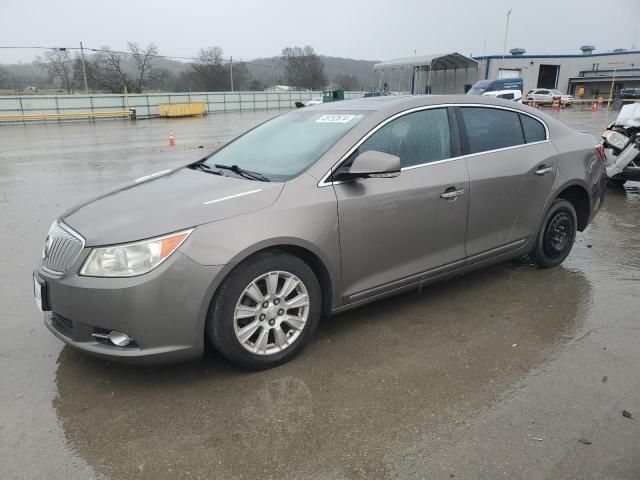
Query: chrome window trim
x,y
73,233
324,183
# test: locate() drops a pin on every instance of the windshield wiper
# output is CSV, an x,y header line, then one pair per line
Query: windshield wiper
x,y
244,173
200,165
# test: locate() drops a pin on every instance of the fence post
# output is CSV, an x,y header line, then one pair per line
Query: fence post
x,y
93,119
57,107
22,110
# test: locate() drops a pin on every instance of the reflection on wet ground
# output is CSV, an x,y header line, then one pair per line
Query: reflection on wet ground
x,y
389,371
496,374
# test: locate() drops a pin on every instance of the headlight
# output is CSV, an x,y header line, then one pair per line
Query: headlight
x,y
615,139
129,260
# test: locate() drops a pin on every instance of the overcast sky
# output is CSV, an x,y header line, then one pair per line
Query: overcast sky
x,y
372,30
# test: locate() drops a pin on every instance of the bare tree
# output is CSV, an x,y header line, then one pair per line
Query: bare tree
x,y
209,72
143,58
303,67
59,66
109,73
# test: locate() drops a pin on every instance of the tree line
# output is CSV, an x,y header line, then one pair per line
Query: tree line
x,y
140,69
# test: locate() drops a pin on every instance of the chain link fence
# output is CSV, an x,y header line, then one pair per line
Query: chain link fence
x,y
145,105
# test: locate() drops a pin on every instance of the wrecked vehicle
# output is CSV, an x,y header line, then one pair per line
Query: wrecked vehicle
x,y
622,146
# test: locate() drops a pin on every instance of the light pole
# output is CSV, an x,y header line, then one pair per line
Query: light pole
x,y
504,48
613,81
231,71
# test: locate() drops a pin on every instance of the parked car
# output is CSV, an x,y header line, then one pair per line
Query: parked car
x,y
314,101
377,94
544,96
630,93
314,212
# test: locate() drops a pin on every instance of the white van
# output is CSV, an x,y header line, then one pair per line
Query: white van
x,y
507,88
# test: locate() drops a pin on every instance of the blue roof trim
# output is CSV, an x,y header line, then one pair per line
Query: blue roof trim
x,y
577,55
636,69
605,78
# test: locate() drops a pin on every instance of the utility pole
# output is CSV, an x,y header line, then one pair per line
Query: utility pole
x,y
231,72
273,76
84,71
504,48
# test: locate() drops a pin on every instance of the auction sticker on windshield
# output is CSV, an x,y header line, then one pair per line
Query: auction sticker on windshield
x,y
335,118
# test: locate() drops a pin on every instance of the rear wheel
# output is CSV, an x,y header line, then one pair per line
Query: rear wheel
x,y
265,311
556,236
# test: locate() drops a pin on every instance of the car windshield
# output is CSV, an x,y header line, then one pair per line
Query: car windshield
x,y
479,87
285,146
556,92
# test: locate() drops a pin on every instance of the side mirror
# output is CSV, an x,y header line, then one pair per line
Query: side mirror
x,y
373,163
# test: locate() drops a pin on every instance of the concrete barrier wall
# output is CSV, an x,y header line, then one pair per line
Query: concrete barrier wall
x,y
146,105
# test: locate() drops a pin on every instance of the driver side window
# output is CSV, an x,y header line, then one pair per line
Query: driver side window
x,y
417,138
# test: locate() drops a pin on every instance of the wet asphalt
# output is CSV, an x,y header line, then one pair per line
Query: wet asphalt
x,y
509,372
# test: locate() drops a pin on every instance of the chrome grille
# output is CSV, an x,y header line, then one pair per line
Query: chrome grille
x,y
61,249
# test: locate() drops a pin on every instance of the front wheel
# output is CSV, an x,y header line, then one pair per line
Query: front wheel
x,y
265,311
556,236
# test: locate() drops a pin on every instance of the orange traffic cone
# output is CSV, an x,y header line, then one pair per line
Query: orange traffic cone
x,y
172,141
594,107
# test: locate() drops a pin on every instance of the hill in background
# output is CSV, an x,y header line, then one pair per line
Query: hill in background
x,y
265,71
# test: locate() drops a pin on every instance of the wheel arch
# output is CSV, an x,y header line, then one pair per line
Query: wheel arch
x,y
578,196
309,254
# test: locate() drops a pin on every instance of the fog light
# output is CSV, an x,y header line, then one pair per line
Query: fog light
x,y
119,339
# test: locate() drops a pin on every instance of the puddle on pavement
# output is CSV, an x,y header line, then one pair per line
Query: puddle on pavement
x,y
380,375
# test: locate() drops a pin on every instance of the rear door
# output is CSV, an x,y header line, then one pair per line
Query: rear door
x,y
394,229
512,167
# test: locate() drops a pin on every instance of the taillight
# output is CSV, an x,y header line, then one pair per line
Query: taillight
x,y
601,153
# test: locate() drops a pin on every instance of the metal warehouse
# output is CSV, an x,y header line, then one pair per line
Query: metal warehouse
x,y
587,74
437,74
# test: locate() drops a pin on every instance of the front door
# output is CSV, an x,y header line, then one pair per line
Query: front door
x,y
394,229
512,168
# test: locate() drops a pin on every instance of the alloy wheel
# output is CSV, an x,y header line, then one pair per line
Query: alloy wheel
x,y
271,313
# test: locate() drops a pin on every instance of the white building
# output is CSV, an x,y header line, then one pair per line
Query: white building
x,y
587,72
592,71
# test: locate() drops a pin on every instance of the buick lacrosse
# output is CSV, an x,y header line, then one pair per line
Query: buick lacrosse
x,y
311,213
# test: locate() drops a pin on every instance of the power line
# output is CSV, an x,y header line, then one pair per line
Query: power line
x,y
98,50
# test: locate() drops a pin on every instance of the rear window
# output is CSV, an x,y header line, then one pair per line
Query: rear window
x,y
533,130
491,128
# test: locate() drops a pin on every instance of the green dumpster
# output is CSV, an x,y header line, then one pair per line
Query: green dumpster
x,y
332,95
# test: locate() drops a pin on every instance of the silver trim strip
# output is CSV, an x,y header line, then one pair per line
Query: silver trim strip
x,y
232,196
153,175
324,183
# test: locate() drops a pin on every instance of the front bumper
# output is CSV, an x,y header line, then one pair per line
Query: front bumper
x,y
629,173
164,311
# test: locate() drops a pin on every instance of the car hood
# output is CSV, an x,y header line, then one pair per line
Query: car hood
x,y
165,203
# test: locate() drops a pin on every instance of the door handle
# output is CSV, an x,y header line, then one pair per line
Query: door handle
x,y
452,193
543,170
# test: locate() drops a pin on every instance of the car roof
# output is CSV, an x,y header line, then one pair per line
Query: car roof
x,y
396,103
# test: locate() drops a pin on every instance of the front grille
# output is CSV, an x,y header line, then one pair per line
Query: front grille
x,y
62,324
61,249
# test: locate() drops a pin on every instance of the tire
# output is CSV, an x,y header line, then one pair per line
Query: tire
x,y
556,236
237,319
